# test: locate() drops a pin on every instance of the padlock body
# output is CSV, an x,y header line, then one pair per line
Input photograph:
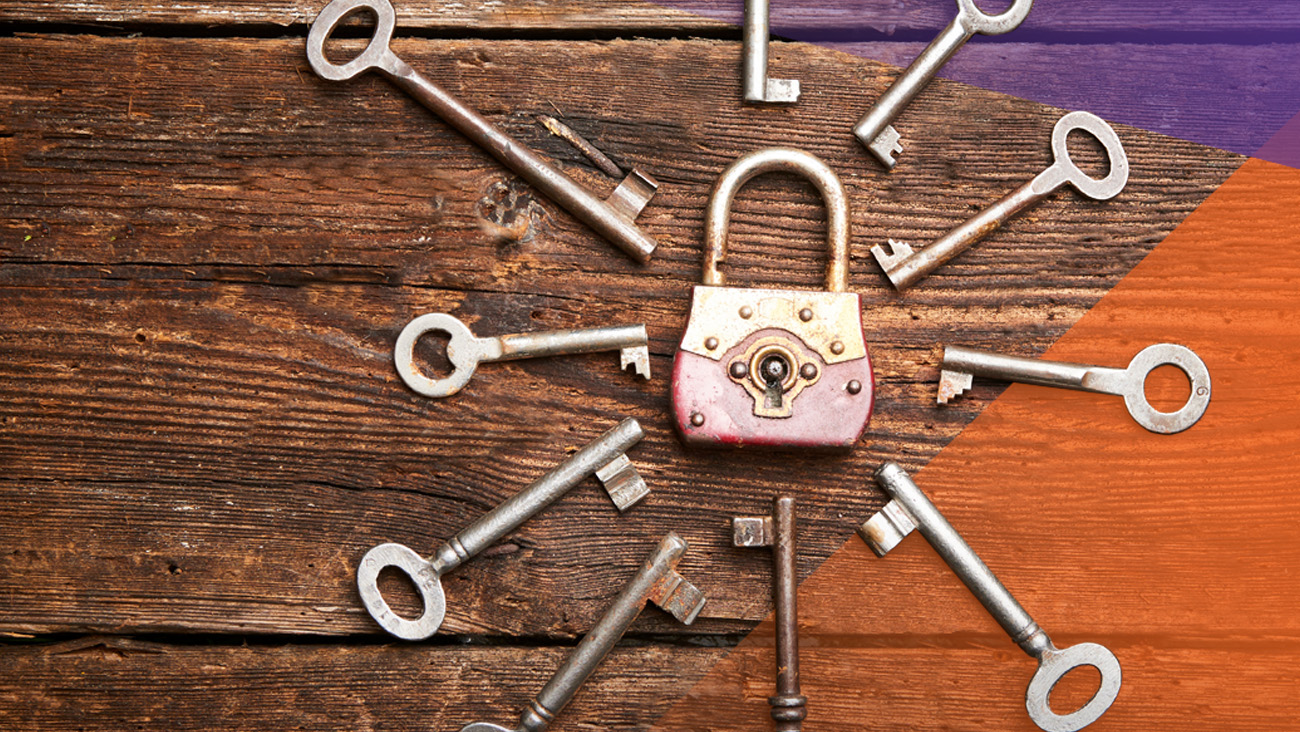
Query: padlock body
x,y
819,334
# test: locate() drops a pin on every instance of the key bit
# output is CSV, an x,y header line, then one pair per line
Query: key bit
x,y
623,483
638,357
758,89
952,384
789,706
657,582
885,146
898,253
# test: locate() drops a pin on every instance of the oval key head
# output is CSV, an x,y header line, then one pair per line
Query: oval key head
x,y
462,351
1151,358
1052,666
426,581
374,55
484,727
1114,182
978,21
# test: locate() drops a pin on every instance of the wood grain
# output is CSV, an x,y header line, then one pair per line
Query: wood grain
x,y
858,20
197,335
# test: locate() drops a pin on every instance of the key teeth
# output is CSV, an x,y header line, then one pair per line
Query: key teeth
x,y
681,599
885,146
623,483
952,384
898,252
633,193
886,528
638,358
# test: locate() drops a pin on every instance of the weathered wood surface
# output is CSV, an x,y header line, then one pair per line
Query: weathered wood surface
x,y
117,683
846,21
122,684
202,429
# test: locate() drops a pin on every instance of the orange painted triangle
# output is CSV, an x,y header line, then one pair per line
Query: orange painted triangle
x,y
1180,553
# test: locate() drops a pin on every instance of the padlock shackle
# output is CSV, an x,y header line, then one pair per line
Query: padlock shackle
x,y
770,160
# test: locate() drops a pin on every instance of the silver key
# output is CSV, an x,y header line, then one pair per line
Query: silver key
x,y
910,509
758,88
961,364
603,457
611,218
466,351
874,129
657,582
904,267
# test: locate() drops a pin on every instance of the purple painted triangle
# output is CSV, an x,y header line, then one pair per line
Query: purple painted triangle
x,y
1221,74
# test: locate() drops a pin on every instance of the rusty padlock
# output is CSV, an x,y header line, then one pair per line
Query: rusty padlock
x,y
773,368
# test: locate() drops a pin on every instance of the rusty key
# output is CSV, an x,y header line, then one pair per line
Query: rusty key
x,y
611,218
789,707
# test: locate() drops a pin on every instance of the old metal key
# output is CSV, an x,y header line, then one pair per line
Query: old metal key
x,y
960,365
611,218
874,129
789,707
657,582
466,351
603,457
905,267
910,509
758,88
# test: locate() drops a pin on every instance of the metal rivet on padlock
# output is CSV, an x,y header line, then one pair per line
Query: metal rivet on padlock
x,y
773,368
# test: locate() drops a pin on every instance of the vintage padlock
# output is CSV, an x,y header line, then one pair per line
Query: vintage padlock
x,y
773,368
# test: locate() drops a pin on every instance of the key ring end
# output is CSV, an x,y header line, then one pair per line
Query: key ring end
x,y
1053,665
376,51
421,573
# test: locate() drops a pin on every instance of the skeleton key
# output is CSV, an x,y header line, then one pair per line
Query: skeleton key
x,y
758,88
611,218
789,707
657,582
603,457
874,129
466,351
910,509
961,364
905,267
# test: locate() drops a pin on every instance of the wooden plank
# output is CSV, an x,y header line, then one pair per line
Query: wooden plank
x,y
202,430
114,683
931,683
860,20
977,682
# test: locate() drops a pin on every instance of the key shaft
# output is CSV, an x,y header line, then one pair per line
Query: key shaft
x,y
759,89
561,342
1036,371
901,93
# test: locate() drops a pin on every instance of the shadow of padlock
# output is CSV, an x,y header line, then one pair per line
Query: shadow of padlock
x,y
773,368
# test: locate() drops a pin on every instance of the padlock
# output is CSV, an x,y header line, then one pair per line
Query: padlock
x,y
773,368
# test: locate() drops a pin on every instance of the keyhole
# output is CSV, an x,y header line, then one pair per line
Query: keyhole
x,y
1167,388
400,593
773,371
1073,690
